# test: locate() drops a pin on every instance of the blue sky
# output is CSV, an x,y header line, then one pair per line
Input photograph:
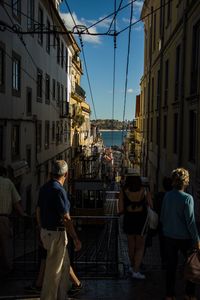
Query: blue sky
x,y
99,55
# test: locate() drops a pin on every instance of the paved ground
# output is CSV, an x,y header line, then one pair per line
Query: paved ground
x,y
124,288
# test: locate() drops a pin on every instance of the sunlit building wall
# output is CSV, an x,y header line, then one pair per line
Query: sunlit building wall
x,y
34,93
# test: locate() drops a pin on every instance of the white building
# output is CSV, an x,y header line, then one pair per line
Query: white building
x,y
34,93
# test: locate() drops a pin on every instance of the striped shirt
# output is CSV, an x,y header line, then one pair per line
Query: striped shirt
x,y
8,195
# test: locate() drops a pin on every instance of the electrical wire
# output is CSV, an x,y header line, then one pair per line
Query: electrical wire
x,y
34,63
114,67
86,29
146,16
114,18
86,69
127,69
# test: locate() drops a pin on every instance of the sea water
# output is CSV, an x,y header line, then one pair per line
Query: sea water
x,y
113,138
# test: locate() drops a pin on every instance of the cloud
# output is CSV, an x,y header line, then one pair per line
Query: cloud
x,y
67,19
129,91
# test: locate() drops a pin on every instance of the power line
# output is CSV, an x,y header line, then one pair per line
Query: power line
x,y
127,68
114,65
85,29
146,16
34,63
86,69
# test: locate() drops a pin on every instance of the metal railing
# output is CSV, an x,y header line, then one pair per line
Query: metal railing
x,y
98,257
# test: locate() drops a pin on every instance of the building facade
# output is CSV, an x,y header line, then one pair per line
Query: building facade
x,y
170,86
35,91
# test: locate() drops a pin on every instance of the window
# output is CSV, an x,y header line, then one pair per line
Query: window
x,y
158,89
58,50
2,68
175,134
16,74
62,54
58,93
195,66
152,93
1,142
39,85
53,131
38,177
39,136
166,82
28,155
30,14
66,59
47,89
46,135
16,9
169,11
57,132
157,130
54,89
29,101
40,25
62,99
48,37
154,32
54,36
65,132
192,135
151,132
165,132
177,73
15,142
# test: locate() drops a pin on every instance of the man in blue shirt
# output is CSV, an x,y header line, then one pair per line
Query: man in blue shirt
x,y
54,220
179,230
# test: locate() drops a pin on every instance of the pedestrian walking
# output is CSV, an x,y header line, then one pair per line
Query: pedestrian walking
x,y
9,201
133,201
54,207
179,229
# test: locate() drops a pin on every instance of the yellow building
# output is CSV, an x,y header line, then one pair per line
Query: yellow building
x,y
170,88
79,112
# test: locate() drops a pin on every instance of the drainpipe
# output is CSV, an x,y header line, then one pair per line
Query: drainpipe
x,y
149,95
182,98
162,11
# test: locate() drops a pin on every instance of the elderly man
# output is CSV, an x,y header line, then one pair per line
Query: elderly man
x,y
9,200
53,207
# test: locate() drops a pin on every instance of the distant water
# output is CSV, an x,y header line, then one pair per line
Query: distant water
x,y
112,138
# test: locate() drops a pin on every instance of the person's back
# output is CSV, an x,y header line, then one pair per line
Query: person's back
x,y
51,201
178,215
8,194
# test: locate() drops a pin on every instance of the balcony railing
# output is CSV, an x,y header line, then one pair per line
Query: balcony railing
x,y
79,91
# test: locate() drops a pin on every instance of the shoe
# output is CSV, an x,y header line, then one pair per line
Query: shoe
x,y
75,289
130,270
33,288
138,275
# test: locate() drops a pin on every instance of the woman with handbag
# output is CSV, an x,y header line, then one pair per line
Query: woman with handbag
x,y
133,205
179,230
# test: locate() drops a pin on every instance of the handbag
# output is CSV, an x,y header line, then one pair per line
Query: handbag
x,y
192,267
152,218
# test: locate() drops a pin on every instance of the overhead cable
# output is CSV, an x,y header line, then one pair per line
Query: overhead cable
x,y
127,69
86,69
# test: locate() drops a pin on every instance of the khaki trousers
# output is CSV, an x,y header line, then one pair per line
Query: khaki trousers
x,y
56,277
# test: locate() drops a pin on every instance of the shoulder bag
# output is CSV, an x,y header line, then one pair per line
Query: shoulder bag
x,y
152,218
192,267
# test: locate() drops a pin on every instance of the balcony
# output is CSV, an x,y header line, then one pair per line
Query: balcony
x,y
78,93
